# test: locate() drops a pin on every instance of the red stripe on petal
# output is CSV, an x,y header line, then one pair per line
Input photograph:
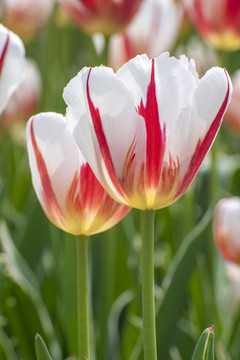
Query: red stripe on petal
x,y
156,137
50,201
91,191
4,52
203,146
97,123
85,192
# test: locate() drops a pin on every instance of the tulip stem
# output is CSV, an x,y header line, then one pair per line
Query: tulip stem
x,y
83,314
148,293
105,53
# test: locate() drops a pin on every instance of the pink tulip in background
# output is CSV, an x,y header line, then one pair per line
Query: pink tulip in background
x,y
217,21
146,129
232,118
69,193
12,62
153,31
25,100
227,228
27,17
105,16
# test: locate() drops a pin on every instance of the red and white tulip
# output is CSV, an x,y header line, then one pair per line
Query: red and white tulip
x,y
153,31
227,228
12,62
146,129
69,193
217,21
104,16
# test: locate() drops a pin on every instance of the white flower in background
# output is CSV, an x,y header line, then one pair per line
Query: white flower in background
x,y
24,102
153,31
227,229
12,62
204,56
232,118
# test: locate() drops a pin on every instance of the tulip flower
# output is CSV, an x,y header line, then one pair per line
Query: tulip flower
x,y
218,22
146,129
232,118
104,16
12,61
71,197
153,31
227,229
66,187
25,100
27,17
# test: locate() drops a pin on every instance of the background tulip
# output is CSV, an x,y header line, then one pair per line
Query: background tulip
x,y
204,56
217,21
146,129
232,118
12,61
102,16
232,272
69,193
26,17
227,228
25,100
153,31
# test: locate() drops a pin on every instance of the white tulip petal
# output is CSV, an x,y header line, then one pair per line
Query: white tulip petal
x,y
117,112
12,62
196,118
59,151
173,83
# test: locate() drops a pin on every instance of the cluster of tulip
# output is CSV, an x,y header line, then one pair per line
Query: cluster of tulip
x,y
134,135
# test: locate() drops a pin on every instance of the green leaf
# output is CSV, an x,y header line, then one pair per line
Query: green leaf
x,y
21,274
41,349
175,285
204,349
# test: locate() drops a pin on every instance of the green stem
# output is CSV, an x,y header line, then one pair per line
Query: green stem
x,y
148,298
105,53
83,315
213,175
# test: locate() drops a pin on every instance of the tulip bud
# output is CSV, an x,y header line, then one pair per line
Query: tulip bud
x,y
227,228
